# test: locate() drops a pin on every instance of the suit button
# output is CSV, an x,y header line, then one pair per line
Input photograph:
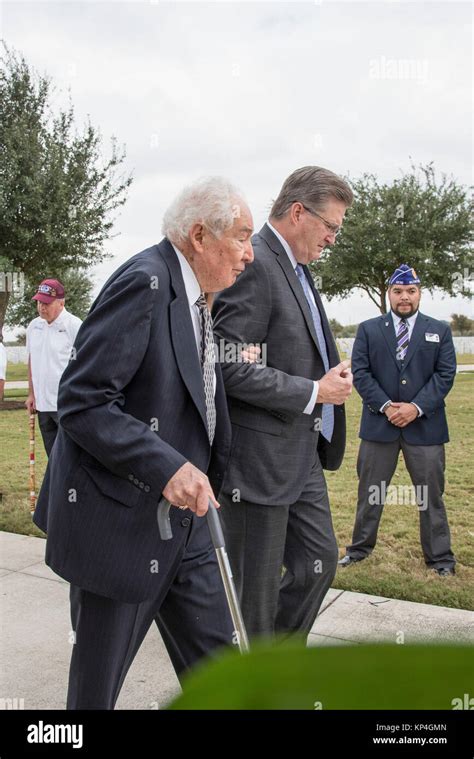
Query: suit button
x,y
147,488
130,477
141,485
135,481
186,522
404,382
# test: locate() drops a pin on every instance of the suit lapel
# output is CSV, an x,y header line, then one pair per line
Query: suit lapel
x,y
388,331
292,278
182,332
333,353
419,327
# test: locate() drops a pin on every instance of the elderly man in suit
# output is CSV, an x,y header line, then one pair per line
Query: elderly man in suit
x,y
143,415
404,366
287,412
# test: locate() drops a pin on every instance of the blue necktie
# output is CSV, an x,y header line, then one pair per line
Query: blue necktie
x,y
328,409
402,339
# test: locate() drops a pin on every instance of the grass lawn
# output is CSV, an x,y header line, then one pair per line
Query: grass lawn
x,y
395,569
17,372
465,358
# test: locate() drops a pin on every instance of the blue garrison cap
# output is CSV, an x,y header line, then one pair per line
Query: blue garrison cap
x,y
404,275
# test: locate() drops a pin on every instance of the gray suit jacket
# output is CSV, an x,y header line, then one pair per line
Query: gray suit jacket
x,y
274,445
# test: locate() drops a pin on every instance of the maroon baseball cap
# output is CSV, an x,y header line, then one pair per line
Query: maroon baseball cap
x,y
49,290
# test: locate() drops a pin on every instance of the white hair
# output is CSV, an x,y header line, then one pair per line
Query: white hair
x,y
211,201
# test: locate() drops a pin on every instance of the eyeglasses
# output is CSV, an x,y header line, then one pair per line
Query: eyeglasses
x,y
333,228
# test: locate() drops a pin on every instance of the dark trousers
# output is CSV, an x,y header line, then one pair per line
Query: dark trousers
x,y
190,611
261,540
376,465
48,422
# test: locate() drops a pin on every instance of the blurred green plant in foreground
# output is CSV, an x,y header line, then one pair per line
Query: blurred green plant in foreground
x,y
290,676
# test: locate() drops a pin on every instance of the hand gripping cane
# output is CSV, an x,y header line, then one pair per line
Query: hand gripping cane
x,y
217,537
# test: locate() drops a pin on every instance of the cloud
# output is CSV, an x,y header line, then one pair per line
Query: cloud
x,y
251,90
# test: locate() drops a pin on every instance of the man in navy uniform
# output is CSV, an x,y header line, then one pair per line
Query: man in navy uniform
x,y
404,366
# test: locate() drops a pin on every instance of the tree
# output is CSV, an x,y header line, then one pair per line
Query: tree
x,y
78,287
462,324
336,328
58,194
418,220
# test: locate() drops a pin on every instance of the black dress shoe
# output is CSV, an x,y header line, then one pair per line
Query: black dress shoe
x,y
445,571
344,562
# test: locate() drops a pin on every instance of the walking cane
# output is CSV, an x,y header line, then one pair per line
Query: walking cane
x,y
217,537
32,464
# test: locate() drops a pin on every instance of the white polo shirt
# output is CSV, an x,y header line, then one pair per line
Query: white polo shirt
x,y
3,362
49,347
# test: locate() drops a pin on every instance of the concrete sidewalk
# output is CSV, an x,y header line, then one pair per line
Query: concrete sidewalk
x,y
35,632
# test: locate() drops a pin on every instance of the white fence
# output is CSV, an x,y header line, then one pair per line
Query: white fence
x,y
461,344
17,354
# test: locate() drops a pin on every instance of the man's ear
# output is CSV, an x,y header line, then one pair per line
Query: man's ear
x,y
295,212
196,236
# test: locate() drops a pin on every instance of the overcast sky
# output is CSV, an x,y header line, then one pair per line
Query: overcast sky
x,y
253,90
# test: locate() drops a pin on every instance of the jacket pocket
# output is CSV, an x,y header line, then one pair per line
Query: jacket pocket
x,y
112,486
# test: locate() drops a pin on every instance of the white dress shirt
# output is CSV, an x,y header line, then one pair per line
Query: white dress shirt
x,y
410,320
314,395
49,348
193,291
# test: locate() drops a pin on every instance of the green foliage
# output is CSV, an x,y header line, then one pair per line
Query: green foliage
x,y
290,676
58,194
342,330
419,220
77,285
462,325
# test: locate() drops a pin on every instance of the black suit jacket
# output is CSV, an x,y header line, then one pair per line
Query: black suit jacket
x,y
274,445
131,412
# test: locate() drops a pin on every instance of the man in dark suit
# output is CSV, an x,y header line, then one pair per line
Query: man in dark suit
x,y
404,366
142,415
287,414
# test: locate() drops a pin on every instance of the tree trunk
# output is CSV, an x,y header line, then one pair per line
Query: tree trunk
x,y
4,298
383,299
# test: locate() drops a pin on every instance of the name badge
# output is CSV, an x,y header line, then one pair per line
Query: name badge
x,y
431,337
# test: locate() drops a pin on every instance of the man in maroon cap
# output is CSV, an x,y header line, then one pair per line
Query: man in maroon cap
x,y
49,344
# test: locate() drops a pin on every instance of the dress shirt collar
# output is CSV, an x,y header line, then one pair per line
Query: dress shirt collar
x,y
192,287
287,248
410,320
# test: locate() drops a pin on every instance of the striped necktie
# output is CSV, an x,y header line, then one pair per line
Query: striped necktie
x,y
207,357
402,339
327,416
